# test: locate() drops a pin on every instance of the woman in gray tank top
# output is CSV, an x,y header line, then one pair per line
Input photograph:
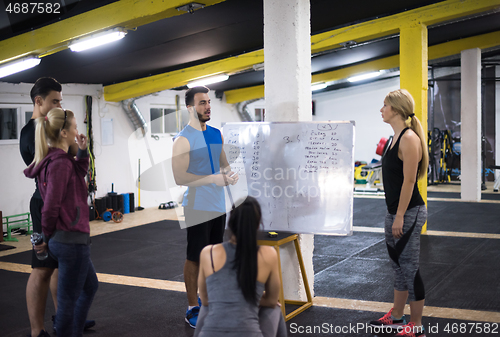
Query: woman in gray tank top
x,y
233,277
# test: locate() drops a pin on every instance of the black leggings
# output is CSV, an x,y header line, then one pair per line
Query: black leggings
x,y
405,252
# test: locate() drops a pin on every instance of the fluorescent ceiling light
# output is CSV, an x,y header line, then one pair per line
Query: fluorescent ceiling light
x,y
318,86
208,80
18,65
98,39
364,76
258,66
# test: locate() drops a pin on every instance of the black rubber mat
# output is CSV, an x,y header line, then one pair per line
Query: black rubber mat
x,y
442,215
151,251
5,247
463,217
319,321
460,273
364,272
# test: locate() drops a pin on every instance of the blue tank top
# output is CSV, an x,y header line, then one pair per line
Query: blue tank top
x,y
204,159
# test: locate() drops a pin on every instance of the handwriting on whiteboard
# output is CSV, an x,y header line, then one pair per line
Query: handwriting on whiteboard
x,y
301,173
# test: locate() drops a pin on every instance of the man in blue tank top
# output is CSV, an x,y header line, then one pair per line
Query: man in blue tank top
x,y
199,162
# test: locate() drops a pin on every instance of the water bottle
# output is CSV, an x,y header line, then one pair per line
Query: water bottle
x,y
36,239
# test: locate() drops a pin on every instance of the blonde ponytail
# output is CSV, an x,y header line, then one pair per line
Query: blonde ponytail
x,y
424,163
48,131
402,102
41,145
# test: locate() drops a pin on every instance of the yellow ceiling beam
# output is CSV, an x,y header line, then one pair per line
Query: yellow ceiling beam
x,y
335,75
244,94
428,15
442,11
123,13
454,47
147,85
446,49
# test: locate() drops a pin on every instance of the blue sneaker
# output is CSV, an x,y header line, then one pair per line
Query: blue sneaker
x,y
199,302
192,316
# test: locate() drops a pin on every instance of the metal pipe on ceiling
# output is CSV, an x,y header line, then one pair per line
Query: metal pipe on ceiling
x,y
243,112
135,115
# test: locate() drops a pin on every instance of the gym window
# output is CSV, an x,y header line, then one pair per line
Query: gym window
x,y
167,120
12,120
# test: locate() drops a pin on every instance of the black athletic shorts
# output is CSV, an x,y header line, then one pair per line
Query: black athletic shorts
x,y
36,205
202,232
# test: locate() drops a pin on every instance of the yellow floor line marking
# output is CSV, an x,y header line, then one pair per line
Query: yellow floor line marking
x,y
142,282
365,196
483,201
367,229
433,233
110,278
449,313
336,303
464,234
20,268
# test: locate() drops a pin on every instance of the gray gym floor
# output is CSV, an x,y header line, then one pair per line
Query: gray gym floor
x,y
460,266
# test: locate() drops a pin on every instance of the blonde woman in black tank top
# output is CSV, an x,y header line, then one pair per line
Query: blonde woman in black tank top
x,y
405,162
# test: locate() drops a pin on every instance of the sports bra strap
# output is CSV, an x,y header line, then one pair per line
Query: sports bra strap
x,y
212,258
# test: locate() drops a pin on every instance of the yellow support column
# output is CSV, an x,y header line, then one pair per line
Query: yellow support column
x,y
413,59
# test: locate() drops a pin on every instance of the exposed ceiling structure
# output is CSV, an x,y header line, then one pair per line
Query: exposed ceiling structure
x,y
165,48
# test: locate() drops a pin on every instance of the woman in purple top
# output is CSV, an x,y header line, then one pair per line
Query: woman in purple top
x,y
65,215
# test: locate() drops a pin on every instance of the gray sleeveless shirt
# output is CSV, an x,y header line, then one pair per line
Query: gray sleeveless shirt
x,y
229,312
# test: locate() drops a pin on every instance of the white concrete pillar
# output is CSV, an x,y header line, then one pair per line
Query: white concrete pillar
x,y
287,60
470,175
287,79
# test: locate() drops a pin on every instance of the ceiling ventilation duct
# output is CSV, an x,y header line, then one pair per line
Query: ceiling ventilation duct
x,y
135,115
243,110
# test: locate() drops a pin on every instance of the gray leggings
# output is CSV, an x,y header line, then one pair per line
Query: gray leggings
x,y
405,252
271,322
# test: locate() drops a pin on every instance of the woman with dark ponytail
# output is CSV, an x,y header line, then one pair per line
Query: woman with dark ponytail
x,y
239,282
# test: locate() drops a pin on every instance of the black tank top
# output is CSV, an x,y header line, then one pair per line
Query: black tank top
x,y
392,175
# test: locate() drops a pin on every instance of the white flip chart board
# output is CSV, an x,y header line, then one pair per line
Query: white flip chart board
x,y
302,173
